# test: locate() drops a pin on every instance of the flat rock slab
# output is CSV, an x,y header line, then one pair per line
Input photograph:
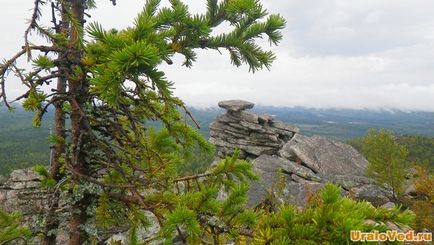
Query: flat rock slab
x,y
236,105
21,175
325,157
284,126
300,183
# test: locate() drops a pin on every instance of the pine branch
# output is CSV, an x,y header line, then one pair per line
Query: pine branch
x,y
32,24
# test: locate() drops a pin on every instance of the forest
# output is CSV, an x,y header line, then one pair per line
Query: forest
x,y
22,145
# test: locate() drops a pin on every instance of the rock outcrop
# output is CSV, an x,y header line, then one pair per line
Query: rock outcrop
x,y
280,154
292,166
21,192
252,134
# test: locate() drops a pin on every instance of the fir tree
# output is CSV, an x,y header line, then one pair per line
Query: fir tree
x,y
387,159
109,162
328,219
112,167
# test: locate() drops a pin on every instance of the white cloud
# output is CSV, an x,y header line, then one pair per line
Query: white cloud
x,y
374,16
335,53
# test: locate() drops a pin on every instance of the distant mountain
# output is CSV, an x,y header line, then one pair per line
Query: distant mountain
x,y
23,145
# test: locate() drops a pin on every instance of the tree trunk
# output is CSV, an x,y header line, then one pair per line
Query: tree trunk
x,y
51,222
78,94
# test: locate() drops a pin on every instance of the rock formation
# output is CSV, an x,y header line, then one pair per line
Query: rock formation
x,y
21,192
252,134
280,154
291,166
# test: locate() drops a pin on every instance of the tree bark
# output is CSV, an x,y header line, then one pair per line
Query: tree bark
x,y
51,221
78,94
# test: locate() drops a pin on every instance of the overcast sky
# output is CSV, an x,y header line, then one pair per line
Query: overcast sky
x,y
335,53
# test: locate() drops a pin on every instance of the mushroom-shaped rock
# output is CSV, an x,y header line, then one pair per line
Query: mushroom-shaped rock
x,y
236,105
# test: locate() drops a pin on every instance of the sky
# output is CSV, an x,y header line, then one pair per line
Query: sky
x,y
354,54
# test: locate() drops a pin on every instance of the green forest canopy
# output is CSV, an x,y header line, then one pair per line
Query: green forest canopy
x,y
22,145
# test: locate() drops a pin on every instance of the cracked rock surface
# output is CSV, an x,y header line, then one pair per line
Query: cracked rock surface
x,y
281,154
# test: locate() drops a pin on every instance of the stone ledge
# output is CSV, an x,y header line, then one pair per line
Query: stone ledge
x,y
236,105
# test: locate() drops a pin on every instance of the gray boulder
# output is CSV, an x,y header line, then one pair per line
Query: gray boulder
x,y
276,182
389,205
373,194
144,235
269,169
326,157
349,182
24,175
21,192
306,164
